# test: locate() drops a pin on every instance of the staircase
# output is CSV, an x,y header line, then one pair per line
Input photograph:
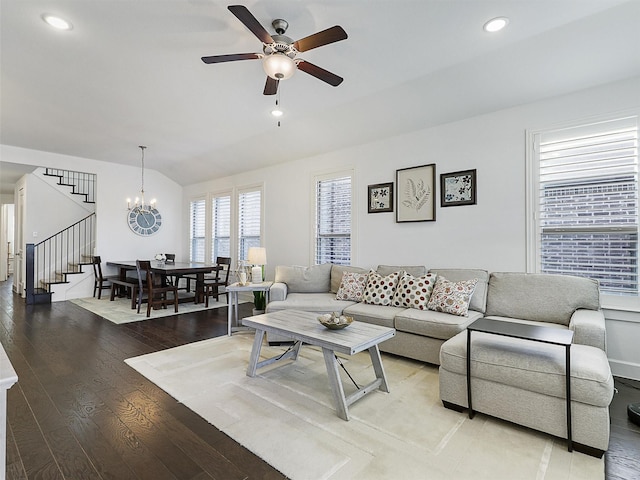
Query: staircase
x,y
54,260
68,253
81,183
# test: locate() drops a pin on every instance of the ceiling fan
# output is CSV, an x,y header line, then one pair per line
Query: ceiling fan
x,y
279,51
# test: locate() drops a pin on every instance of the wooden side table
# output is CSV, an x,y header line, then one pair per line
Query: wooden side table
x,y
233,322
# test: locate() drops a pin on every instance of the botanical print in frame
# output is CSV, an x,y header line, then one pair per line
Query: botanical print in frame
x,y
458,188
381,197
415,194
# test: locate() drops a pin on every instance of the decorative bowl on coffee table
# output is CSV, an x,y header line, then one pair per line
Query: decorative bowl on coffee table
x,y
335,322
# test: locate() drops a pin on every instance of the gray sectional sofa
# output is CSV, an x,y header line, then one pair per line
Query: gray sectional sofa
x,y
513,379
419,333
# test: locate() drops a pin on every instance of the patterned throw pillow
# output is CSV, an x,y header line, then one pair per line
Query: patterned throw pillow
x,y
379,290
352,286
414,292
452,297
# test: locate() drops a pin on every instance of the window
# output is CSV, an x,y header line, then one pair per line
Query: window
x,y
220,227
585,201
333,220
197,235
249,221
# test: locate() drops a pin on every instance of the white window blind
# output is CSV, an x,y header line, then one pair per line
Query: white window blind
x,y
333,221
221,227
198,231
249,221
588,203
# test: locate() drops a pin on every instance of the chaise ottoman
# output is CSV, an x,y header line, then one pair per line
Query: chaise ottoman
x,y
524,382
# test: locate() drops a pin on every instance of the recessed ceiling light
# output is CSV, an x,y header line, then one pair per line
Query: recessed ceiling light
x,y
495,24
277,112
57,22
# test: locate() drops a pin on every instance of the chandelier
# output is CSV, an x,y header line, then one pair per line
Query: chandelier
x,y
139,203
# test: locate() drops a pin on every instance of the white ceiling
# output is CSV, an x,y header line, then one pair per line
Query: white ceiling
x,y
129,74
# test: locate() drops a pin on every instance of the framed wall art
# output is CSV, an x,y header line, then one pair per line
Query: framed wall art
x,y
415,194
381,197
458,188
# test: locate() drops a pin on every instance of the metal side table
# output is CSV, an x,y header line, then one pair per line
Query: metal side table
x,y
554,336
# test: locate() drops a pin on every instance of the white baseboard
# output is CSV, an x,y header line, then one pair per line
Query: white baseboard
x,y
625,369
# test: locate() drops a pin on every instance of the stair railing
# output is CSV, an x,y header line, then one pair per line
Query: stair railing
x,y
81,183
59,255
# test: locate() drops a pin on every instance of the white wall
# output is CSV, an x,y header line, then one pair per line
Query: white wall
x,y
489,235
115,241
48,210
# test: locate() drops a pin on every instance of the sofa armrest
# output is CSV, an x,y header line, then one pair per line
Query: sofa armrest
x,y
278,292
589,328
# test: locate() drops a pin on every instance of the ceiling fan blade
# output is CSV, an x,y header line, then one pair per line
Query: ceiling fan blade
x,y
325,37
320,73
271,87
230,58
245,16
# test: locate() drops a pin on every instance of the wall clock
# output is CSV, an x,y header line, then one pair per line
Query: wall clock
x,y
145,221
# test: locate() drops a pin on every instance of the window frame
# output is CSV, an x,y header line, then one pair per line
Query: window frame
x,y
532,223
211,199
325,176
236,216
192,200
234,241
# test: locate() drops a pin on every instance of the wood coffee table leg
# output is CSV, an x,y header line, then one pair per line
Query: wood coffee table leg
x,y
255,353
374,353
336,385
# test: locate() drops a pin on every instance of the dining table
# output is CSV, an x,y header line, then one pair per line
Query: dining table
x,y
175,269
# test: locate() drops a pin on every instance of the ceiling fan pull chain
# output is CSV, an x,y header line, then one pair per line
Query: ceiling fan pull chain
x,y
278,103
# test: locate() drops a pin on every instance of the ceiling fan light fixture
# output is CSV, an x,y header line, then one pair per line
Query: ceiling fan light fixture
x,y
277,112
279,66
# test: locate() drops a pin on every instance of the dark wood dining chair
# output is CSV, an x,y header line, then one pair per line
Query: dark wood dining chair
x,y
212,285
171,260
156,293
100,282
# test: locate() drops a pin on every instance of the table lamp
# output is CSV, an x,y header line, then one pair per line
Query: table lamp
x,y
257,256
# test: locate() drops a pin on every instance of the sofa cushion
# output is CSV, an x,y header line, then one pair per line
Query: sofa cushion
x,y
338,270
540,297
375,314
313,279
533,366
415,270
479,298
380,289
352,286
414,292
452,297
310,302
433,324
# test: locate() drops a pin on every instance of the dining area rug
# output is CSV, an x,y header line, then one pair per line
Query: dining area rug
x,y
120,311
286,416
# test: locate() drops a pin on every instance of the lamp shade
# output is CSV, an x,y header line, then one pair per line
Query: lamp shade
x,y
278,66
257,256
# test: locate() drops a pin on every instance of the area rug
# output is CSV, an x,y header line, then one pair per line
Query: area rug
x,y
285,415
119,311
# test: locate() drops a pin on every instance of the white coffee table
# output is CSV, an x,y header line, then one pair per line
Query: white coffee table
x,y
234,289
303,327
